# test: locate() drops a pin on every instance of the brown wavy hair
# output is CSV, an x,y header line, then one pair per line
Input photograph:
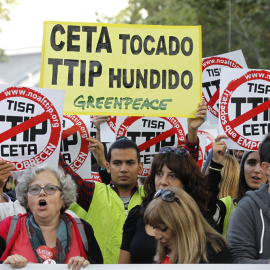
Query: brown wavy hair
x,y
185,169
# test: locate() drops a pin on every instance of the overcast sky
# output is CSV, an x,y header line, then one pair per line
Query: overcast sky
x,y
25,29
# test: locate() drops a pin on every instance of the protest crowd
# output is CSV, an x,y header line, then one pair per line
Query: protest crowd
x,y
177,216
180,212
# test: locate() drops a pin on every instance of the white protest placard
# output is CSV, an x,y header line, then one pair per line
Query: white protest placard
x,y
152,133
244,107
202,147
30,125
211,67
107,129
211,135
74,147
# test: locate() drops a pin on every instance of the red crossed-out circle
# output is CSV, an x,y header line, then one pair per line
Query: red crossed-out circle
x,y
79,126
210,137
176,129
51,116
211,62
112,123
232,124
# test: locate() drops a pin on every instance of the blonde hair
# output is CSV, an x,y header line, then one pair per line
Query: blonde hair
x,y
229,177
230,173
190,231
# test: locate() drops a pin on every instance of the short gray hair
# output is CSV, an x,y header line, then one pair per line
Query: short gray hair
x,y
67,185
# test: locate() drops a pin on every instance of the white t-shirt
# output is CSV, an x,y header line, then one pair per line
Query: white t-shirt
x,y
10,208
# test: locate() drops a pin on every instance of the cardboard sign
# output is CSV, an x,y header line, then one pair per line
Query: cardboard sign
x,y
134,70
202,147
30,125
211,68
150,134
74,146
244,107
108,129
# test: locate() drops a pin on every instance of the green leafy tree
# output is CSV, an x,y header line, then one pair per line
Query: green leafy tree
x,y
227,25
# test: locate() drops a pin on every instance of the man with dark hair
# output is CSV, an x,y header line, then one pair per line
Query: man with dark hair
x,y
107,205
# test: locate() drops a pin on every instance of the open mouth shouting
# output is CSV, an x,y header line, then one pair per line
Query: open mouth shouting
x,y
42,204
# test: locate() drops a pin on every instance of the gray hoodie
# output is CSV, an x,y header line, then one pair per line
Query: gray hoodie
x,y
249,228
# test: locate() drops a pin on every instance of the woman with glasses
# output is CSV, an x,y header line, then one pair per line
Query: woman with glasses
x,y
172,167
182,233
46,234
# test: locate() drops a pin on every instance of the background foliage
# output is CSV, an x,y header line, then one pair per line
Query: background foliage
x,y
227,25
4,16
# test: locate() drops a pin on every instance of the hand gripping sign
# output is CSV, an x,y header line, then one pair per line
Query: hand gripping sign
x,y
30,125
134,70
74,146
150,134
211,68
244,107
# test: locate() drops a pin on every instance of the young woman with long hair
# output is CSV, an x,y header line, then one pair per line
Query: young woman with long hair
x,y
183,235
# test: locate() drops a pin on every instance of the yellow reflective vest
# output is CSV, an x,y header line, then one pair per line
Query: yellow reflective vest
x,y
107,216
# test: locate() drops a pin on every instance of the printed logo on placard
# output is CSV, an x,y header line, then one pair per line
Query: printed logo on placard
x,y
112,123
23,137
74,147
143,131
211,68
210,139
247,98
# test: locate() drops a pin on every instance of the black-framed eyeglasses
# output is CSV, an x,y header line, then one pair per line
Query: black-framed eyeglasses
x,y
177,151
48,189
167,196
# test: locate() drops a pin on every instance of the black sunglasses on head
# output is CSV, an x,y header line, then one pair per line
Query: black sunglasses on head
x,y
167,196
177,151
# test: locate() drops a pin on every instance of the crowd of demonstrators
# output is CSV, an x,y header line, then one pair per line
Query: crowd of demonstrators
x,y
171,167
182,233
250,178
124,222
249,228
46,193
111,203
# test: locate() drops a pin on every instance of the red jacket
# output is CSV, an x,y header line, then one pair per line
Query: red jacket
x,y
94,253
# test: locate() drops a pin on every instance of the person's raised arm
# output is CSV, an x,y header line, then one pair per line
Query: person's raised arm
x,y
195,123
191,142
213,179
85,189
214,176
5,172
97,148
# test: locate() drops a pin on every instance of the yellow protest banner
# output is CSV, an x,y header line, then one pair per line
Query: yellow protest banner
x,y
135,70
